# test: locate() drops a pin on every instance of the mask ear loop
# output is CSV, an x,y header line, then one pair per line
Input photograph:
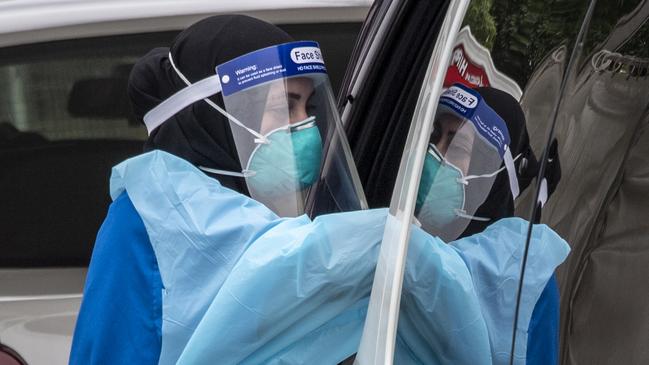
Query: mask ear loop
x,y
189,95
261,139
462,214
244,173
513,182
511,172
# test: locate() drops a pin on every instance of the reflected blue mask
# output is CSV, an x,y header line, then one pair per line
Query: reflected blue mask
x,y
441,192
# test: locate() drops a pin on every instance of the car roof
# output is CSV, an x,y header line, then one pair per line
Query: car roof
x,y
31,21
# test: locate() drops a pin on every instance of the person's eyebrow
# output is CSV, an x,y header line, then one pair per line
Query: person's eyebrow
x,y
297,96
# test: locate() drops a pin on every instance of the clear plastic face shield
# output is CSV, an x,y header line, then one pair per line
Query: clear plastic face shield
x,y
294,155
468,145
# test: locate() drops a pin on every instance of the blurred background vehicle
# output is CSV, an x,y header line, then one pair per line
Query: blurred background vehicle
x,y
65,120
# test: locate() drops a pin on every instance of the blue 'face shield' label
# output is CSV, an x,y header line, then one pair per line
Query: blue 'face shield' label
x,y
271,63
469,105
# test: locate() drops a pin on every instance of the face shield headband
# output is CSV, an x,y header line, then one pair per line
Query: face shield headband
x,y
240,74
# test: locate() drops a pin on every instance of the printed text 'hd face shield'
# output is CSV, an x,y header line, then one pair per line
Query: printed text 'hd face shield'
x,y
294,156
468,145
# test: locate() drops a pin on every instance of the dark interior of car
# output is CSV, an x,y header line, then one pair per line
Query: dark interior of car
x,y
49,187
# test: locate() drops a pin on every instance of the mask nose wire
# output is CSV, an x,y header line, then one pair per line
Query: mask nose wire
x,y
261,139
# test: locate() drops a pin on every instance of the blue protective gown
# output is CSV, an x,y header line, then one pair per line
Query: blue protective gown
x,y
171,276
120,319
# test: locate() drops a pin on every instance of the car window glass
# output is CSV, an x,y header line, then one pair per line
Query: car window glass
x,y
65,121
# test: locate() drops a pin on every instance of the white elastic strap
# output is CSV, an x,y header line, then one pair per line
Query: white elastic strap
x,y
180,100
244,173
465,180
511,172
462,214
180,74
543,192
260,137
492,174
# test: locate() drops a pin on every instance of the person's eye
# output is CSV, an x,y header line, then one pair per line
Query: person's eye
x,y
291,106
436,136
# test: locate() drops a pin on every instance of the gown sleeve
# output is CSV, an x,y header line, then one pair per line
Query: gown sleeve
x,y
120,317
543,332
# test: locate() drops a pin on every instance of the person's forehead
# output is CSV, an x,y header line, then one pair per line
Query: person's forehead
x,y
280,88
299,82
449,119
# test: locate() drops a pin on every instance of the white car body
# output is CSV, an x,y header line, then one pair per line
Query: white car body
x,y
30,21
38,306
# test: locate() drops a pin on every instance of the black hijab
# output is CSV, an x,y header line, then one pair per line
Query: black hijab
x,y
500,203
198,134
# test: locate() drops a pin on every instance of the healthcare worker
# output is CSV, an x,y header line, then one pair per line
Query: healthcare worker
x,y
463,193
243,135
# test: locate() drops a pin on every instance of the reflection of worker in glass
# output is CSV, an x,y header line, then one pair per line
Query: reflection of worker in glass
x,y
460,196
454,140
468,146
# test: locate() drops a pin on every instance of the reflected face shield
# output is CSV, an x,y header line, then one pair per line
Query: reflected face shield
x,y
288,136
468,145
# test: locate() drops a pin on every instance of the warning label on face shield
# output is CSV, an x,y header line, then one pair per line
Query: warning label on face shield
x,y
268,64
243,77
496,134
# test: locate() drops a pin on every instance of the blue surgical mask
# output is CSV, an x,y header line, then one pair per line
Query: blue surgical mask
x,y
441,191
289,162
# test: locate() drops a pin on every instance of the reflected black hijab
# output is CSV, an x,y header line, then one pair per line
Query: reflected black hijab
x,y
500,203
198,134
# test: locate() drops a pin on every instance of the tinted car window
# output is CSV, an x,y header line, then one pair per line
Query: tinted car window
x,y
65,120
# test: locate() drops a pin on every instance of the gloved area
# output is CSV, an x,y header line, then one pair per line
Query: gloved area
x,y
243,286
